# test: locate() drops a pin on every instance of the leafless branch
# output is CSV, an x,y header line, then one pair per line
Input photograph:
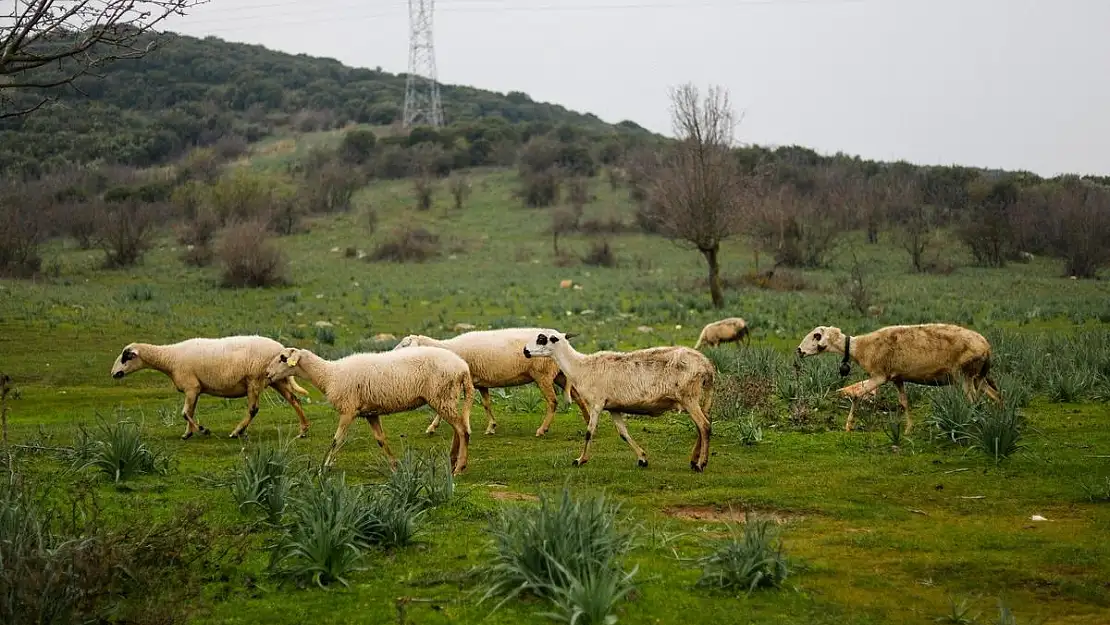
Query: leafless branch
x,y
45,44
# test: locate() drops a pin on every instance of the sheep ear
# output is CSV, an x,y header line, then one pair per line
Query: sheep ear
x,y
569,335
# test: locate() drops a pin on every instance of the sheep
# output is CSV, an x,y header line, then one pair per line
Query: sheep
x,y
728,330
933,354
496,361
645,381
230,367
375,384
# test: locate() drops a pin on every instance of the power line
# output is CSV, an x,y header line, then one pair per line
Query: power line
x,y
392,9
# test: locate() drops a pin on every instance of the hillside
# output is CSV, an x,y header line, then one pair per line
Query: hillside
x,y
193,91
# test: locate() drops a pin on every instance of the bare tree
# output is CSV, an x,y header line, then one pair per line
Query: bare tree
x,y
698,192
916,220
45,44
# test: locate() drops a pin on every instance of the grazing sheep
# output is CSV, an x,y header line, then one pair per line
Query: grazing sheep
x,y
645,381
372,385
728,330
496,361
229,367
933,354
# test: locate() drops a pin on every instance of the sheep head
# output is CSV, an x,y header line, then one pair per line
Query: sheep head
x,y
283,365
544,343
411,340
819,340
128,361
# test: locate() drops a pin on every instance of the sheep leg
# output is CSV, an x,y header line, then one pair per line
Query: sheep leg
x,y
252,410
340,436
547,387
905,401
291,398
187,412
460,441
859,389
491,424
432,426
622,429
699,456
591,429
375,422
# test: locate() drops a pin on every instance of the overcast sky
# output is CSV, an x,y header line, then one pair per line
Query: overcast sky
x,y
1014,84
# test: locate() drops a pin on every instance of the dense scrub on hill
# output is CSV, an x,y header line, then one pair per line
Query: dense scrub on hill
x,y
194,91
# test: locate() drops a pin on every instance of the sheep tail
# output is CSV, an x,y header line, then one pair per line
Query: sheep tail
x,y
297,387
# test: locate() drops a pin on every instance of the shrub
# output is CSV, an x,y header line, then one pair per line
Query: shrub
x,y
266,479
540,189
408,244
460,189
952,415
250,258
125,231
119,452
748,562
22,230
601,254
330,187
358,146
79,222
567,550
775,279
424,188
998,431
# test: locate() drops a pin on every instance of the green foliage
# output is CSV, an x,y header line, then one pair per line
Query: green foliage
x,y
119,452
745,563
998,431
266,479
567,550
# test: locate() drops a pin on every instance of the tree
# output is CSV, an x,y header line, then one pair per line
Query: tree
x,y
698,192
45,44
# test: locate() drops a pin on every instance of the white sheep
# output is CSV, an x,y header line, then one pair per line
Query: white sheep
x,y
727,330
229,367
496,361
645,382
934,354
372,385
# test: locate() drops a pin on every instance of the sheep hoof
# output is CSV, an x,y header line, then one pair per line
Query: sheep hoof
x,y
429,431
186,436
205,431
642,462
578,462
491,430
541,432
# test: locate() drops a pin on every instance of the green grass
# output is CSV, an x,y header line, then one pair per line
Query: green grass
x,y
876,535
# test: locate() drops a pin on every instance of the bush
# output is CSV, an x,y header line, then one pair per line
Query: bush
x,y
424,188
330,187
408,244
601,254
358,146
540,189
119,452
22,230
250,258
460,190
266,479
748,562
125,231
567,550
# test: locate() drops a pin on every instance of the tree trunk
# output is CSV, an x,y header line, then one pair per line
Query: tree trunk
x,y
714,276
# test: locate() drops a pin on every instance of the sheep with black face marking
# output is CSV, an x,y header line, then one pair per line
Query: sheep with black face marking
x,y
496,361
372,385
933,354
730,330
229,367
644,382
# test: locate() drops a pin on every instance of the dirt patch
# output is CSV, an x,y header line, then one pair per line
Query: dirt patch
x,y
735,514
283,146
509,495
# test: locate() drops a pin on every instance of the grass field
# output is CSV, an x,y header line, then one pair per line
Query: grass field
x,y
878,533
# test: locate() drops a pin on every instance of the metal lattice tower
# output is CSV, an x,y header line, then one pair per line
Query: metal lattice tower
x,y
422,105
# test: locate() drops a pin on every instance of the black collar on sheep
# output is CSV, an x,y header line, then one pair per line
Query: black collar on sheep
x,y
846,365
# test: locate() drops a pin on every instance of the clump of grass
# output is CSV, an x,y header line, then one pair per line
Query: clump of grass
x,y
952,416
321,543
423,480
745,563
1097,491
958,613
998,430
567,550
894,428
266,479
748,430
325,335
118,452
